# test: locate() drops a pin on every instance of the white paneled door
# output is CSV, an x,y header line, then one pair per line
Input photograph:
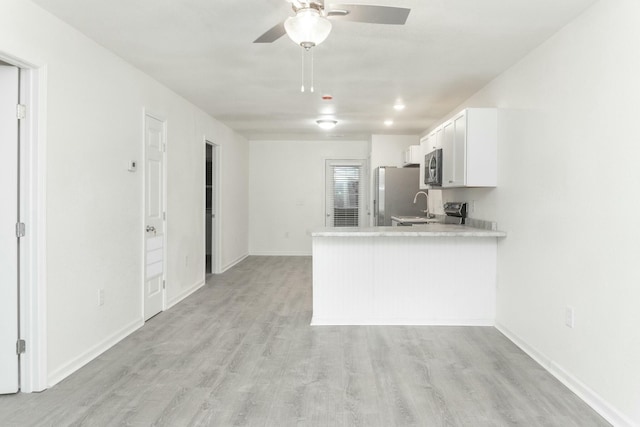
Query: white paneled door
x,y
9,83
155,143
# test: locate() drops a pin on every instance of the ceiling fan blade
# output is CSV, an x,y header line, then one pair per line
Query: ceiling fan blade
x,y
369,14
272,34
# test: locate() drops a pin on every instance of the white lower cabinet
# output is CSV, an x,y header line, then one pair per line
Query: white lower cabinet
x,y
469,149
374,280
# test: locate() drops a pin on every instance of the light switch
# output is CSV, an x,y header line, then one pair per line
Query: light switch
x,y
133,166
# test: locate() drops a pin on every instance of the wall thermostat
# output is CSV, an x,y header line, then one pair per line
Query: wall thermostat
x,y
133,166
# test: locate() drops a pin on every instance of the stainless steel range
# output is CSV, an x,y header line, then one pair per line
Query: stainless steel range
x,y
456,212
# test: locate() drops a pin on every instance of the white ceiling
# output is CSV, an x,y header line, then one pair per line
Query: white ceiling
x,y
203,50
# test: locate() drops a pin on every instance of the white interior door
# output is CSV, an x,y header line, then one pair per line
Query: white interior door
x,y
9,380
155,140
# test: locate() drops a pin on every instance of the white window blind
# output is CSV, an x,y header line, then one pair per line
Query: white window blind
x,y
345,191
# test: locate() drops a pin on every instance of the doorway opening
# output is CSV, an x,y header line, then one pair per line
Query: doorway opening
x,y
211,221
22,228
9,236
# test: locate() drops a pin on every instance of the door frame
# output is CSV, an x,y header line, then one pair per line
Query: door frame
x,y
147,113
32,269
216,229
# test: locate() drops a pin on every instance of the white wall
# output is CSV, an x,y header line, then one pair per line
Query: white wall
x,y
568,198
94,126
286,192
387,150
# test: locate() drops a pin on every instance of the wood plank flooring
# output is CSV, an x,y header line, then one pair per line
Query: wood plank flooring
x,y
240,352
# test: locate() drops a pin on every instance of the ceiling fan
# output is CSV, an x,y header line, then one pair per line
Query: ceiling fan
x,y
310,25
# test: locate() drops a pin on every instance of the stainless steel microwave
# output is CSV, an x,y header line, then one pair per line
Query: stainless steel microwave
x,y
433,168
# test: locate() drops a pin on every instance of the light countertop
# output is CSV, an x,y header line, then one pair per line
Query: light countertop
x,y
427,230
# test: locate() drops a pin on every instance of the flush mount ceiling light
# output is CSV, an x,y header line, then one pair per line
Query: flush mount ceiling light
x,y
308,27
388,122
398,107
327,124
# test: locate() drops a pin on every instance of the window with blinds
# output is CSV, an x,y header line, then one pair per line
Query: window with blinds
x,y
345,191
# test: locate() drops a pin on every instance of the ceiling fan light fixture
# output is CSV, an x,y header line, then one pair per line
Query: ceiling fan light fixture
x,y
308,28
326,124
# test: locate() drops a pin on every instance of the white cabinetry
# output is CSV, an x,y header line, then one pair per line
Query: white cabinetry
x,y
435,140
448,153
411,156
469,149
373,280
424,142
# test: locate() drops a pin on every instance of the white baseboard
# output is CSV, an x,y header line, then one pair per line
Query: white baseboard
x,y
234,263
360,321
184,294
73,365
590,397
277,253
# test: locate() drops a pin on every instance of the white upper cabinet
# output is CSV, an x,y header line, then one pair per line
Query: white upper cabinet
x,y
424,142
448,154
411,156
469,149
437,140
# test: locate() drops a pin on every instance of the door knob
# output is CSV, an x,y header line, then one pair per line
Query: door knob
x,y
151,228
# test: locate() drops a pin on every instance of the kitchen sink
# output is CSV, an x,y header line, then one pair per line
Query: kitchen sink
x,y
408,220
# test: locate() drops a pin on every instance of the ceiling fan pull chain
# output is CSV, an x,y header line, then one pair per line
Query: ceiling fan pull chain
x,y
312,71
302,86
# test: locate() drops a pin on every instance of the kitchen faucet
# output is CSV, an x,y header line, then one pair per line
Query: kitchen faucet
x,y
415,199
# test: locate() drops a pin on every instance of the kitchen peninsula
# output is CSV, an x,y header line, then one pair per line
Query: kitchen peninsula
x,y
434,274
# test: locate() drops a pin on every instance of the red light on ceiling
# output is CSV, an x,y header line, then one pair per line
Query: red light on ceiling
x,y
327,97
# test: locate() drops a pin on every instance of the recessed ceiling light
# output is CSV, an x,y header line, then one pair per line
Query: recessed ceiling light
x,y
398,107
327,124
388,122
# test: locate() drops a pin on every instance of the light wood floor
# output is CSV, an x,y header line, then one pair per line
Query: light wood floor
x,y
240,352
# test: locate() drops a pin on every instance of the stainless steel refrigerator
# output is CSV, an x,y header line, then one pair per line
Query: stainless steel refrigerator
x,y
394,191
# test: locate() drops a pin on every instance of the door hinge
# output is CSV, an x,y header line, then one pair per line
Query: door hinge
x,y
21,346
21,229
164,284
164,216
21,111
164,147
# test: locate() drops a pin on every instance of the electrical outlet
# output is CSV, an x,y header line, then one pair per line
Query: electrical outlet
x,y
569,317
101,297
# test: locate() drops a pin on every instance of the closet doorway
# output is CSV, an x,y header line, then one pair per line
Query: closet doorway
x,y
22,228
212,220
9,229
